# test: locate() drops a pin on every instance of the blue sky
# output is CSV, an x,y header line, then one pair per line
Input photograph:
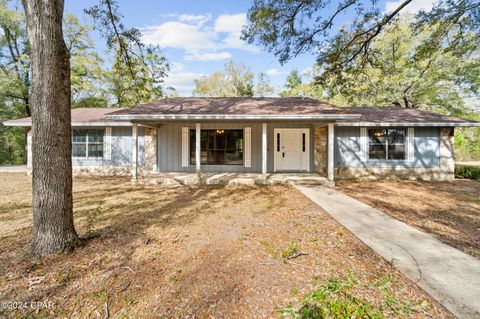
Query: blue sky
x,y
197,37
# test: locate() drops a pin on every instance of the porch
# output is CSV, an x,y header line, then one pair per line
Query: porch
x,y
268,152
177,179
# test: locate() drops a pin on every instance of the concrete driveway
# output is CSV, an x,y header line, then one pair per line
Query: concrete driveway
x,y
13,168
447,274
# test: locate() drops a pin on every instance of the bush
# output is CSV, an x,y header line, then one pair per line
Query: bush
x,y
467,172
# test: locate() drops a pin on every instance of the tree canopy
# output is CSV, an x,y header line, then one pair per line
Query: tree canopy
x,y
236,80
289,28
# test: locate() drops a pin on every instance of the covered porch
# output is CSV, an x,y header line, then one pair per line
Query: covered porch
x,y
264,146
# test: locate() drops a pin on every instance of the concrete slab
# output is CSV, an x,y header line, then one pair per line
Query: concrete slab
x,y
447,274
468,164
236,179
13,168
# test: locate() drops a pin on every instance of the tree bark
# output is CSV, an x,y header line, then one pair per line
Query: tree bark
x,y
53,228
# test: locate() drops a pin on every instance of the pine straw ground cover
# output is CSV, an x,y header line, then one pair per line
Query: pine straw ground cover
x,y
223,252
450,211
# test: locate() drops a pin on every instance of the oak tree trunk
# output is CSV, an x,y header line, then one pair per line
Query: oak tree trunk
x,y
53,229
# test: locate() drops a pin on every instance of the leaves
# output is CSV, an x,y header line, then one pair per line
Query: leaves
x,y
236,80
137,73
290,28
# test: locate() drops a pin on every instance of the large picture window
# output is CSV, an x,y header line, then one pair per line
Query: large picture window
x,y
218,147
386,144
87,143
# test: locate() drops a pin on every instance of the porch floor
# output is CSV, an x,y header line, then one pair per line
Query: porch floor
x,y
235,179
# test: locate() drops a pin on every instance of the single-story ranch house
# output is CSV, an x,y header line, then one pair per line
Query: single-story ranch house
x,y
261,136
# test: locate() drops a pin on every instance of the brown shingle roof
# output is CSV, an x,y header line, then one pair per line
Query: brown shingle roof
x,y
234,106
402,115
257,106
87,116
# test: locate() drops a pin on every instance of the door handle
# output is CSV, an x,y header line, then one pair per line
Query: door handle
x,y
283,154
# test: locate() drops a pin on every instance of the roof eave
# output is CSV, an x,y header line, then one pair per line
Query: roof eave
x,y
74,124
412,124
140,117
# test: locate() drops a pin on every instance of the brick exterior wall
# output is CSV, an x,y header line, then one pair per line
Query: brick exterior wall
x,y
320,150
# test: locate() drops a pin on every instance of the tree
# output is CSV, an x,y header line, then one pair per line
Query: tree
x,y
236,80
15,75
137,71
294,80
87,73
263,86
289,28
53,228
14,59
405,73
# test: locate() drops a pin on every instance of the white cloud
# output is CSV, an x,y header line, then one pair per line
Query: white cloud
x,y
208,56
233,41
191,34
231,23
199,19
174,34
183,82
177,67
413,7
274,72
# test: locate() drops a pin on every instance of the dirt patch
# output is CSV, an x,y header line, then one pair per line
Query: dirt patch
x,y
227,252
448,210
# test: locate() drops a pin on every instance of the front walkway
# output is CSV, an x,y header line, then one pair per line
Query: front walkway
x,y
447,274
236,179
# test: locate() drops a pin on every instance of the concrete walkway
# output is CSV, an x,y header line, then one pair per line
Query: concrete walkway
x,y
447,274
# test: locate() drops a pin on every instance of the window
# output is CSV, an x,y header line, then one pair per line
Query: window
x,y
87,143
303,142
386,144
218,147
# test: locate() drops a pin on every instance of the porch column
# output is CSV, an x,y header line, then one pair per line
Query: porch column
x,y
134,151
264,151
197,148
330,170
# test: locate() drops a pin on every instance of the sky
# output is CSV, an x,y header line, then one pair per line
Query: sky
x,y
197,37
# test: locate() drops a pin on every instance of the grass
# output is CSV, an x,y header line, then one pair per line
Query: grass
x,y
448,210
339,298
188,253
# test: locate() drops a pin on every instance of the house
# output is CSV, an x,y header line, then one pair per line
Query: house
x,y
262,136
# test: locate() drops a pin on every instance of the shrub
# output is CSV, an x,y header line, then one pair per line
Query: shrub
x,y
467,172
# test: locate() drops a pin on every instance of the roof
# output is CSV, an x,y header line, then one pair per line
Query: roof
x,y
94,116
395,116
234,108
280,108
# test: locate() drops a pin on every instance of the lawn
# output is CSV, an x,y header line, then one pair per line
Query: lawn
x,y
225,252
450,211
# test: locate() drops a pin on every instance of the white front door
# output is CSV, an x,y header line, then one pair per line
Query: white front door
x,y
292,149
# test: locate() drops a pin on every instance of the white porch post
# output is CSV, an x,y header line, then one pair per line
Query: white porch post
x,y
330,170
264,151
134,150
197,148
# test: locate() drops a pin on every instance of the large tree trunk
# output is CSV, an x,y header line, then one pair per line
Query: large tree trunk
x,y
53,229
